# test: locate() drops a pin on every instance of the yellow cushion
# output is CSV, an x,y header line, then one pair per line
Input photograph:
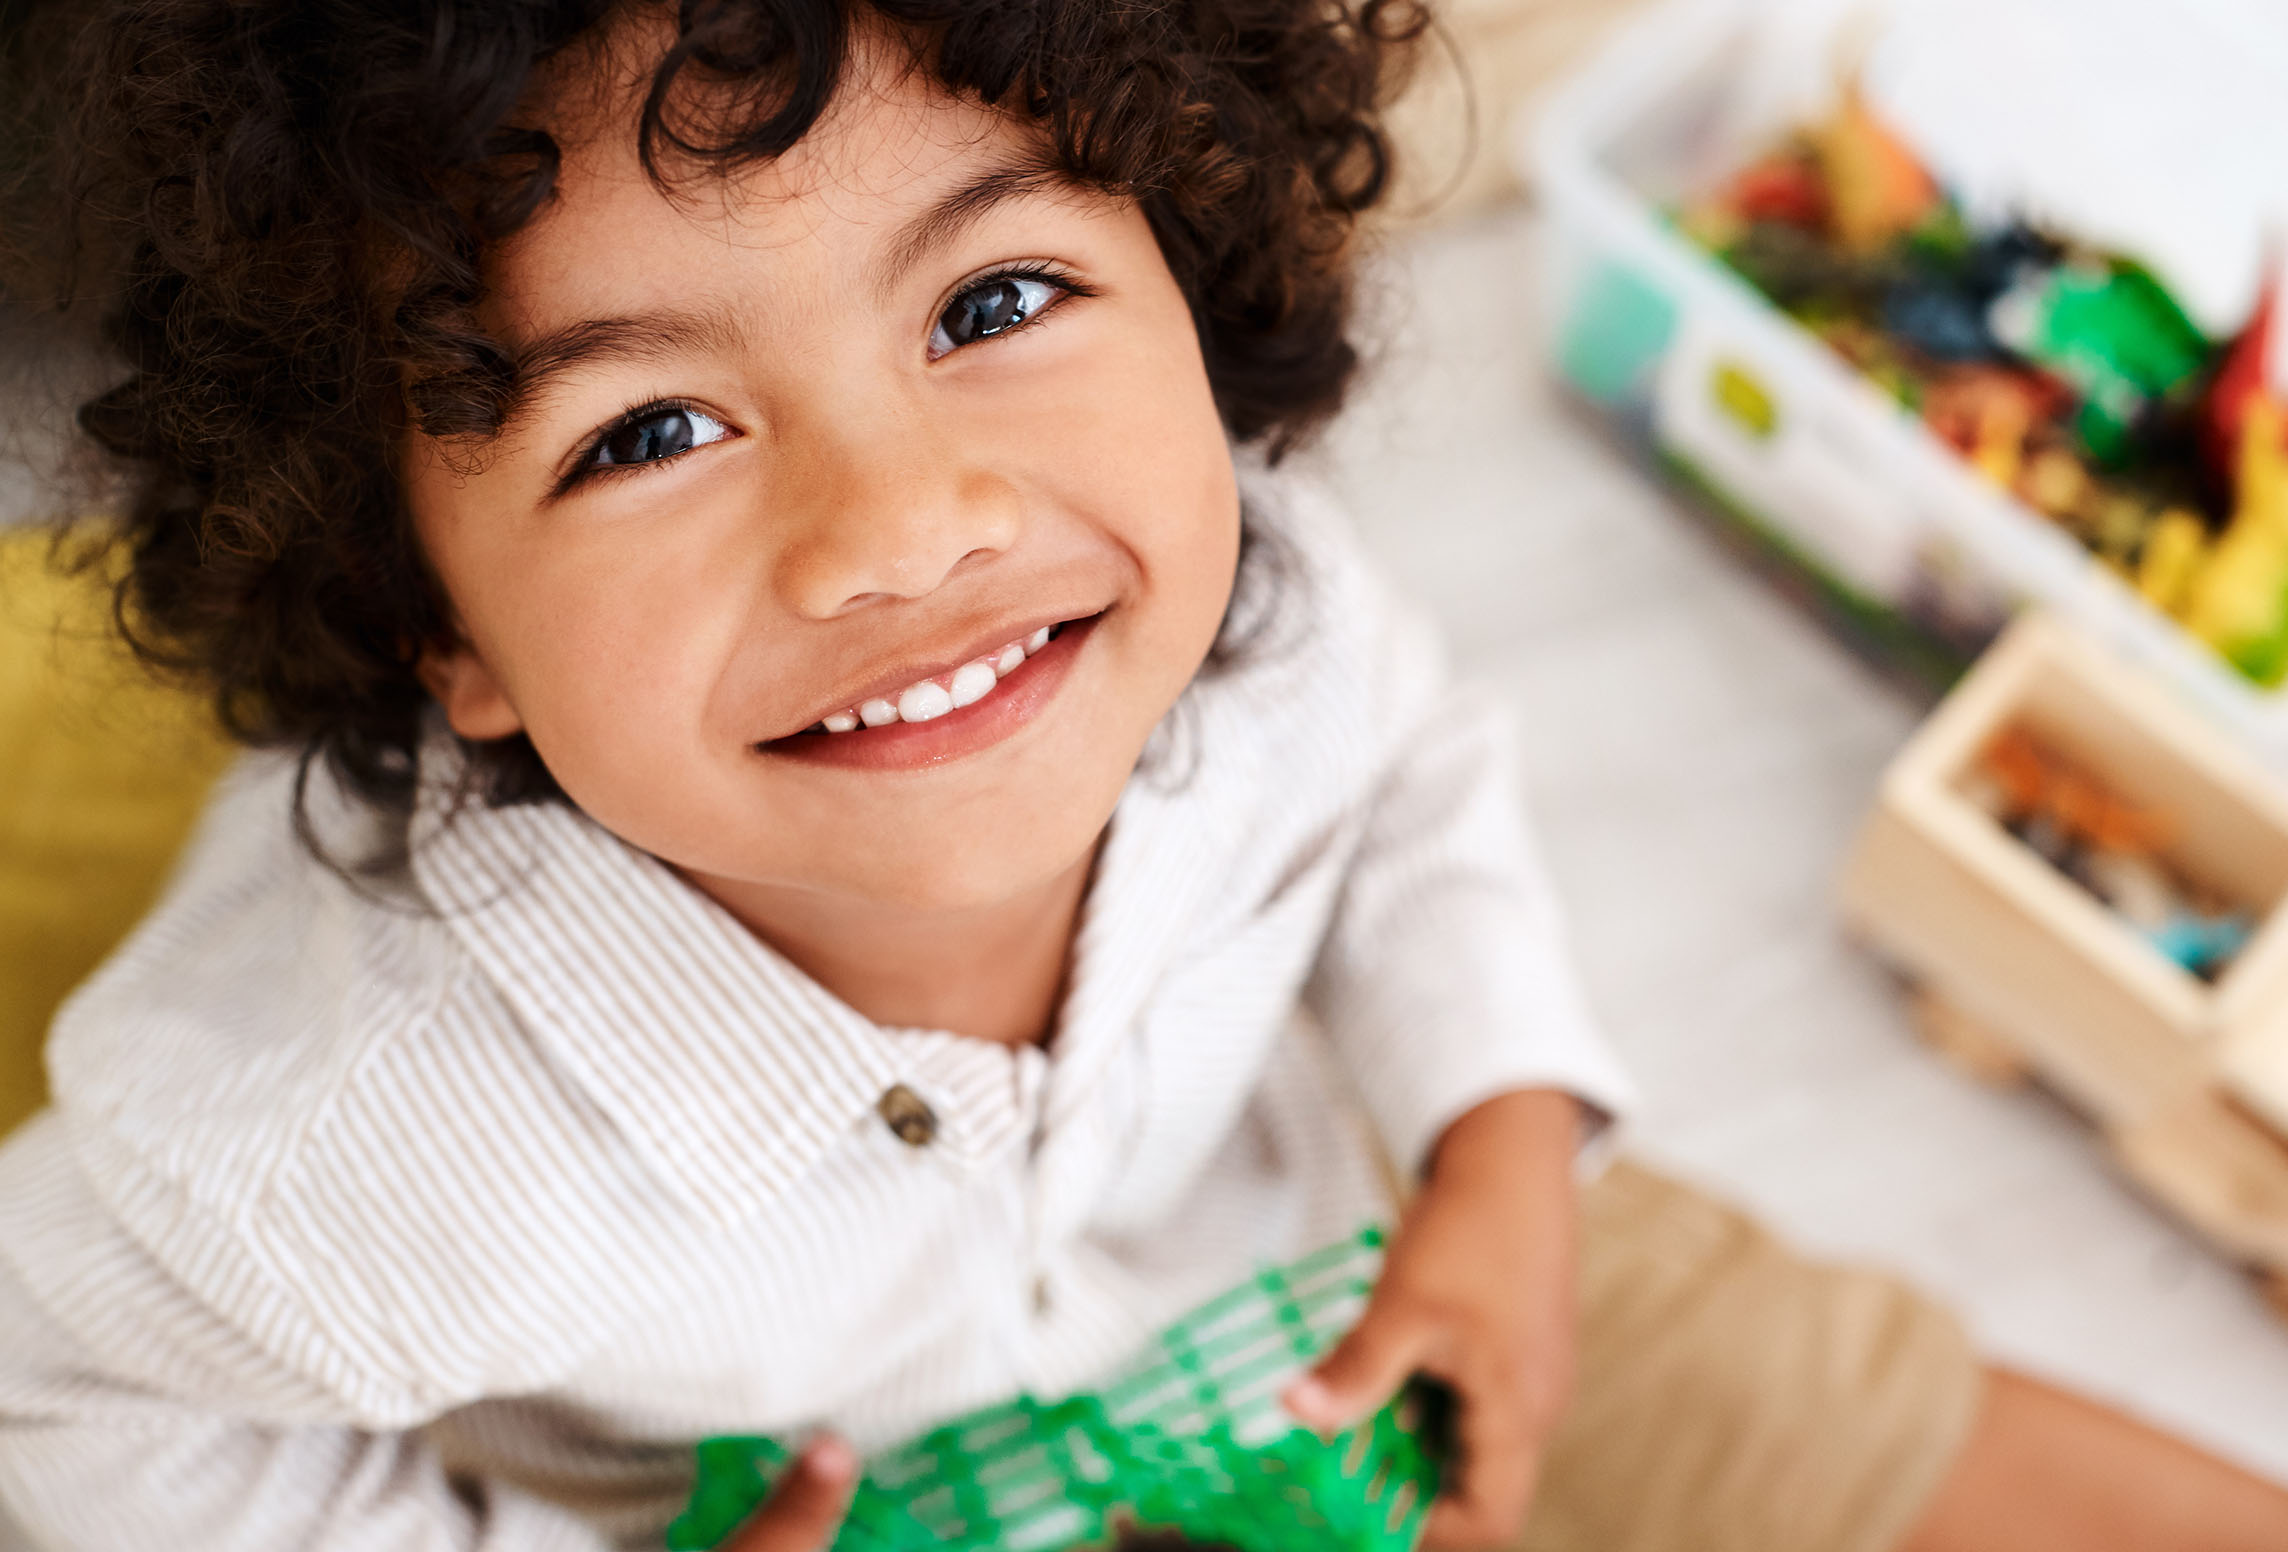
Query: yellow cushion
x,y
101,774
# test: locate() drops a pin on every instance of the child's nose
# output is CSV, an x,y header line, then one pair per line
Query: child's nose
x,y
889,516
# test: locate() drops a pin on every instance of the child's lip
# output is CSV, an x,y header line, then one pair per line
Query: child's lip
x,y
962,732
886,685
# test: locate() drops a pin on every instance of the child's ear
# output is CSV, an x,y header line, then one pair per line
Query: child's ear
x,y
474,702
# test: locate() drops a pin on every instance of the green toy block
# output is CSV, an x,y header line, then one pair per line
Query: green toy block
x,y
1188,1439
2115,332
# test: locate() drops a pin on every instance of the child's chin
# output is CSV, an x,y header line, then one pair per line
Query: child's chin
x,y
990,871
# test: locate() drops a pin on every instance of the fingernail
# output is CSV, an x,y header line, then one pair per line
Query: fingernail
x,y
831,1461
1309,1398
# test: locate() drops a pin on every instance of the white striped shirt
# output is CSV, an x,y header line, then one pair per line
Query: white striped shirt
x,y
451,1216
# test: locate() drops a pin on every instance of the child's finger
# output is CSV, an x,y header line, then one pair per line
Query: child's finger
x,y
1489,1488
1362,1371
803,1511
1454,1526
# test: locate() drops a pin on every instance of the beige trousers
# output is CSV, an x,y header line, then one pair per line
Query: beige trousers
x,y
1735,1397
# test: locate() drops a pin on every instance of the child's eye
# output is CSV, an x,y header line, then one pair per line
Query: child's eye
x,y
653,433
994,305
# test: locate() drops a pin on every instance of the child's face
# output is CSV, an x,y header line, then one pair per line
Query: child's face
x,y
857,461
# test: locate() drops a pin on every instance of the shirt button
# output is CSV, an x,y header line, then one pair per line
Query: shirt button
x,y
1041,1296
908,1114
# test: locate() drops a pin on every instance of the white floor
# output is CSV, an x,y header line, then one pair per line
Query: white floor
x,y
1699,755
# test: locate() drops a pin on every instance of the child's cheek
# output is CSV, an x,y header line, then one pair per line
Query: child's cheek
x,y
611,638
1140,445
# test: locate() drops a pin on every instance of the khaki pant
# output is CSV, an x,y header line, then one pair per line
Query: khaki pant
x,y
1736,1398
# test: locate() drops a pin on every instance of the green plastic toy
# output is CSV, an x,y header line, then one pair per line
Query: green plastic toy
x,y
1190,1439
2115,333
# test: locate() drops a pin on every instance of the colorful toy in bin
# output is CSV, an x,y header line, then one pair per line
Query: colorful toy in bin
x,y
1877,190
2111,847
1188,1442
2238,602
2066,375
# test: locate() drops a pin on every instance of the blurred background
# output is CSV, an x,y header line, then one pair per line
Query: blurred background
x,y
1674,500
1740,369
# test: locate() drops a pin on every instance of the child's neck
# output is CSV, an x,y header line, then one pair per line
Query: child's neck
x,y
995,972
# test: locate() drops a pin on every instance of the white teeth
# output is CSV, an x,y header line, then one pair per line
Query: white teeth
x,y
928,700
972,682
924,702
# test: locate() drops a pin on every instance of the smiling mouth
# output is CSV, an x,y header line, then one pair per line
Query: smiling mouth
x,y
937,695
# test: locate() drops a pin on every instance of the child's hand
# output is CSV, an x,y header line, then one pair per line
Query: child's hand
x,y
1478,1291
802,1513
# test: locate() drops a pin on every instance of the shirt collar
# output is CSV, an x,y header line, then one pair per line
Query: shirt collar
x,y
729,1068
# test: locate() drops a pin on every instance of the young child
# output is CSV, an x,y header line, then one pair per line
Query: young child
x,y
816,764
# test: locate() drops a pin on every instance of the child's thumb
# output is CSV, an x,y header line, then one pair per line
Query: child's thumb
x,y
804,1510
1359,1373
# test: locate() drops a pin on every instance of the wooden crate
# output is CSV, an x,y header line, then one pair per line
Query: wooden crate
x,y
2022,972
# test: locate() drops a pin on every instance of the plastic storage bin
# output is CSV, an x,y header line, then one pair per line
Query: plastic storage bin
x,y
1756,413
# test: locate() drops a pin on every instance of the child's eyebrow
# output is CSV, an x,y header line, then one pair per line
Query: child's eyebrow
x,y
653,337
950,215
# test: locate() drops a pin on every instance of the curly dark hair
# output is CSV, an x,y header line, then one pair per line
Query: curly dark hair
x,y
290,202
